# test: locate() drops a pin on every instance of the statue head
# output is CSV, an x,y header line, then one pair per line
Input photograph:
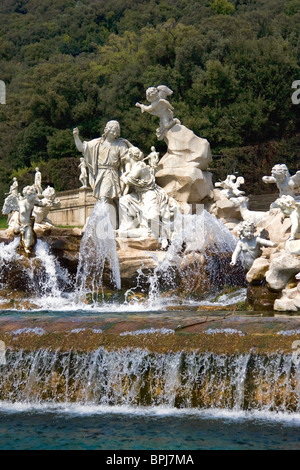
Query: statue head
x,y
280,171
247,229
152,94
135,153
113,128
37,169
49,193
29,192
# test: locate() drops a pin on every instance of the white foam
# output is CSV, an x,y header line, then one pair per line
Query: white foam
x,y
35,331
288,332
225,331
149,331
71,409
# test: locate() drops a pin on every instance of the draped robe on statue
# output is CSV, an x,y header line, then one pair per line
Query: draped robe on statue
x,y
103,160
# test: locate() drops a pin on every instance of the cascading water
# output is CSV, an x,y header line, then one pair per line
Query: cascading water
x,y
201,248
41,276
136,377
98,247
200,245
8,253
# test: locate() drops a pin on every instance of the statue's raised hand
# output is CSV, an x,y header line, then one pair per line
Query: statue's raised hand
x,y
75,131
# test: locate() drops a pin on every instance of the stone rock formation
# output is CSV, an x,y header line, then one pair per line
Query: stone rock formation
x,y
183,170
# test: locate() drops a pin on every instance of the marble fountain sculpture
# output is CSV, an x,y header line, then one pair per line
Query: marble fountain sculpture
x,y
159,221
149,200
29,211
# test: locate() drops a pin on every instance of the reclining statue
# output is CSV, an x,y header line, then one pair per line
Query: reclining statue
x,y
146,211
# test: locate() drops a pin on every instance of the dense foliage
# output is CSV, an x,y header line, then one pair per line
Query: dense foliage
x,y
79,63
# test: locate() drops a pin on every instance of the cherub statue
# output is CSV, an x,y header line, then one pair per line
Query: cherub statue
x,y
290,208
231,186
38,181
286,204
286,183
153,159
23,224
47,202
160,107
83,178
249,245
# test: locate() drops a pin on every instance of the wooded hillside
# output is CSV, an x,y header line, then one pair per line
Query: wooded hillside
x,y
73,63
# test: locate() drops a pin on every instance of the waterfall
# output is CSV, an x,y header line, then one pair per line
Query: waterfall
x,y
97,248
8,253
54,278
199,253
137,377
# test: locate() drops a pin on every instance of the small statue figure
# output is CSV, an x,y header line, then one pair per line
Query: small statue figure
x,y
47,202
38,181
231,186
25,221
14,187
286,183
290,208
295,219
83,178
286,204
153,159
11,202
249,245
160,107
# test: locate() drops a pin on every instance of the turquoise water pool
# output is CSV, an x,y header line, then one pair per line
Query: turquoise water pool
x,y
81,428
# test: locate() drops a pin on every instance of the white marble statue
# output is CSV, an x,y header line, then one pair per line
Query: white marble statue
x,y
152,159
249,245
11,201
38,181
24,220
103,157
160,107
295,219
286,183
47,202
146,211
83,178
247,215
290,208
230,186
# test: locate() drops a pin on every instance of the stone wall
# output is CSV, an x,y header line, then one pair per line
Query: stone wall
x,y
76,207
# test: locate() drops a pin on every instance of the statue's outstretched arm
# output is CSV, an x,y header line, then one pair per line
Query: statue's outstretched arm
x,y
269,179
78,143
236,254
